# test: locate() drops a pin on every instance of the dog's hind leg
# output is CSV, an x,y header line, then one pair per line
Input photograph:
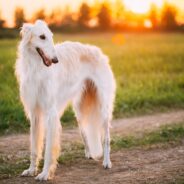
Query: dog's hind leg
x,y
106,116
52,150
106,159
36,138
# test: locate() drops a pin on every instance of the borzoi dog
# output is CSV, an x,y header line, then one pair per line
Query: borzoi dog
x,y
50,76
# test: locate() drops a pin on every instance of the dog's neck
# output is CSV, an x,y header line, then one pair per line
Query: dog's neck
x,y
29,56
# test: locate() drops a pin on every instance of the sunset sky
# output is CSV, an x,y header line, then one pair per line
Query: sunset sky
x,y
7,7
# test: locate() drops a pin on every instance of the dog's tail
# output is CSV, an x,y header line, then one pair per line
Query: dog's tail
x,y
91,125
93,133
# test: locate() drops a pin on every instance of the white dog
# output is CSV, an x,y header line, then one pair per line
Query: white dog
x,y
82,76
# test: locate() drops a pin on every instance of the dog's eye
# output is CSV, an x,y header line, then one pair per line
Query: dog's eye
x,y
42,37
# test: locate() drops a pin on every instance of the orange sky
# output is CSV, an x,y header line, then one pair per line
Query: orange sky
x,y
7,7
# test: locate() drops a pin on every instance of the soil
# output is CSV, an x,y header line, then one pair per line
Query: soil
x,y
156,164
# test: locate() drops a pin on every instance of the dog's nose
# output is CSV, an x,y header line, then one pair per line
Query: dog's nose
x,y
55,60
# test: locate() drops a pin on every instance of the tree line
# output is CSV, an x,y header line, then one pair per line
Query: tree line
x,y
101,16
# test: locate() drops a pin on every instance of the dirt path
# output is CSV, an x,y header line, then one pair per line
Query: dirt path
x,y
132,166
127,126
156,165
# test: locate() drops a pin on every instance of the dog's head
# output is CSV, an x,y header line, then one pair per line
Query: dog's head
x,y
38,38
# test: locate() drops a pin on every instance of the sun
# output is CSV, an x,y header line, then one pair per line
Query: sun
x,y
141,6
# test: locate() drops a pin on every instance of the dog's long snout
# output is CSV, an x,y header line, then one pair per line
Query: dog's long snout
x,y
55,60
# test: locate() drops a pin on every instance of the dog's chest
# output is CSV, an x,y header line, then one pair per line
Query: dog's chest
x,y
35,87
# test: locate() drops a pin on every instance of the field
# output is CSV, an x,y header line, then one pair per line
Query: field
x,y
147,144
149,70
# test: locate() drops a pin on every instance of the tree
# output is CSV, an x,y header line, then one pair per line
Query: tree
x,y
168,17
118,15
40,14
69,21
2,21
19,17
55,18
104,16
84,15
153,16
119,9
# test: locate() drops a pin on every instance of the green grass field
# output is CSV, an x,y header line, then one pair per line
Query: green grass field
x,y
149,70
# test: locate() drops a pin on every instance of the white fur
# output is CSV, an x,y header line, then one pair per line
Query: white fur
x,y
46,91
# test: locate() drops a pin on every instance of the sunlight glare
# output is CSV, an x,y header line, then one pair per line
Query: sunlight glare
x,y
148,23
141,6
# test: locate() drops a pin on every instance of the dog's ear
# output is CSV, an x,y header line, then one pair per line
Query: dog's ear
x,y
40,22
26,32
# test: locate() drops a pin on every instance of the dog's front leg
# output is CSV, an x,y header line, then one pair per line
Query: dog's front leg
x,y
36,139
52,150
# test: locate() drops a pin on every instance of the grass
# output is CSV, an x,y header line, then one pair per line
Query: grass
x,y
9,169
149,70
166,135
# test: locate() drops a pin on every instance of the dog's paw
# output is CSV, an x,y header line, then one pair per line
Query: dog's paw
x,y
107,164
29,172
87,155
43,176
